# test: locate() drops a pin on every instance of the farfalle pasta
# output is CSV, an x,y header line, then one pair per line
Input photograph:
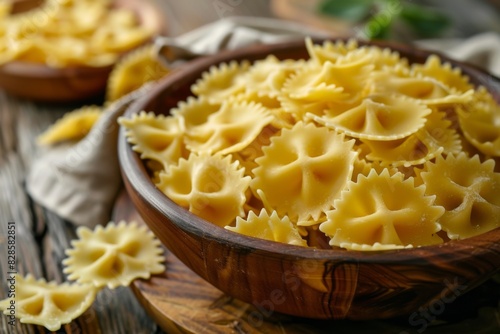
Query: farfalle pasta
x,y
352,136
303,170
231,128
156,138
210,186
71,33
114,255
480,123
134,70
72,126
383,209
379,117
468,190
49,304
269,227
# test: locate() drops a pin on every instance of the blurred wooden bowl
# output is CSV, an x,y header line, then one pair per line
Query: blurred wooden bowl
x,y
39,82
306,282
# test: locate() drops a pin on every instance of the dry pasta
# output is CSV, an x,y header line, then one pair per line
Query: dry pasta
x,y
353,136
114,255
48,304
134,70
468,190
269,227
210,186
72,126
383,209
70,33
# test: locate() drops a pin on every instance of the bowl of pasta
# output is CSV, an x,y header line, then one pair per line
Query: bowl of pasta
x,y
62,51
327,179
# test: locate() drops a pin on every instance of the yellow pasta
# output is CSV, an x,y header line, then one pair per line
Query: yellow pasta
x,y
428,90
384,209
195,112
480,123
468,190
303,170
379,117
48,304
316,148
269,227
134,70
158,138
222,82
329,51
210,186
452,77
435,138
72,126
114,255
231,128
71,33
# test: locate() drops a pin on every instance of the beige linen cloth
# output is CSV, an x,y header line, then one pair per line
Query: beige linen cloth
x,y
80,182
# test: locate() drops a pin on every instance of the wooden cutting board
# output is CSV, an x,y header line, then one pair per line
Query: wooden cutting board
x,y
182,302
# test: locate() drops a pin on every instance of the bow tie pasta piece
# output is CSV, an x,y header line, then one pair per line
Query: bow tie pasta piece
x,y
451,77
156,137
329,51
480,123
221,82
327,88
269,227
72,126
303,170
247,156
113,256
265,77
468,190
49,304
364,167
385,209
425,89
383,58
210,186
120,31
281,118
329,82
435,138
379,117
195,111
134,70
233,127
71,33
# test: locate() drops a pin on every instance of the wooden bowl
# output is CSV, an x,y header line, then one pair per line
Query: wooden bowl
x,y
76,83
306,282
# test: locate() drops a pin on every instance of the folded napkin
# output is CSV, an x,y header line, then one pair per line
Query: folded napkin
x,y
80,182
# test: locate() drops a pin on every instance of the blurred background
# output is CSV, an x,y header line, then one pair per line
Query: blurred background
x,y
403,20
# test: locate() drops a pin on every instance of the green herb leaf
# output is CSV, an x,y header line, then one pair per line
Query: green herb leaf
x,y
379,27
349,10
425,22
